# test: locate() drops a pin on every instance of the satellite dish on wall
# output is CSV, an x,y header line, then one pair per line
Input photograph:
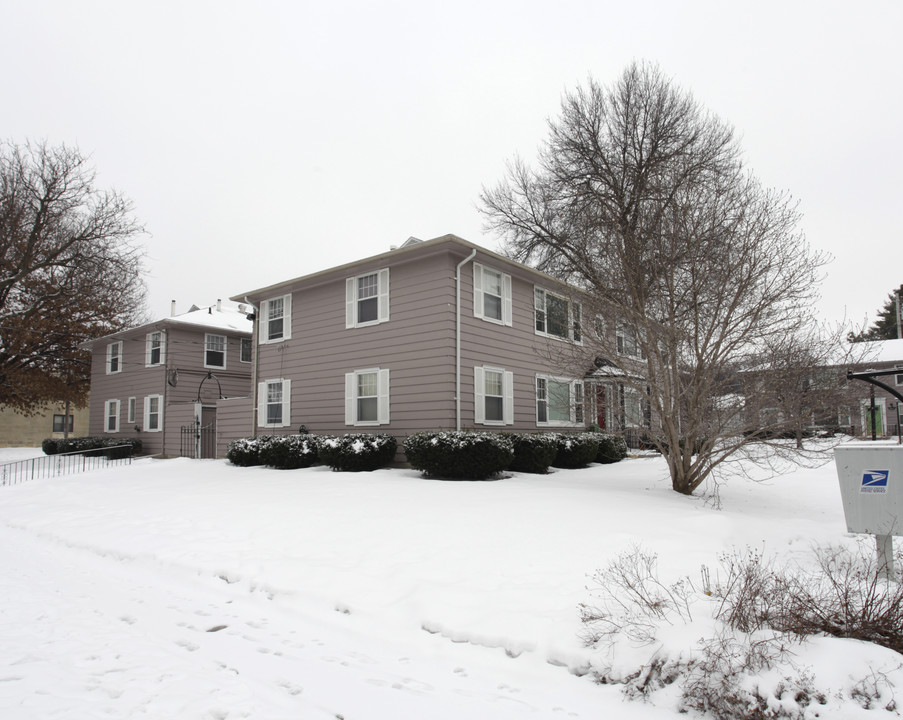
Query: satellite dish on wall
x,y
173,378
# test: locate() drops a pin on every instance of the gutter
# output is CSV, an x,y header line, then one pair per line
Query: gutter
x,y
458,338
255,359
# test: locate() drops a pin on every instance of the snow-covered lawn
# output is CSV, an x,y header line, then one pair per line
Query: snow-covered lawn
x,y
195,589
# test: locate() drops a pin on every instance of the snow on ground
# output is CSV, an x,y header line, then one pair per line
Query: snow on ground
x,y
195,589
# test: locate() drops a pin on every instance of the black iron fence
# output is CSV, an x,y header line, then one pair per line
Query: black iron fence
x,y
64,464
198,441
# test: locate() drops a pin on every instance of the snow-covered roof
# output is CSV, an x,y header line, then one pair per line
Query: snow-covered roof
x,y
883,351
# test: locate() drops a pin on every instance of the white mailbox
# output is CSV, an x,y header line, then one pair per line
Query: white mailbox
x,y
871,486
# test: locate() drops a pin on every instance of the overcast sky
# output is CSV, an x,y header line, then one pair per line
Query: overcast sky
x,y
265,140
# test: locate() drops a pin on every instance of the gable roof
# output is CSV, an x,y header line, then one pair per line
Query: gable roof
x,y
408,251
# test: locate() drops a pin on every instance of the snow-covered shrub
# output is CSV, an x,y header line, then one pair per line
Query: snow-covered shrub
x,y
576,450
111,447
726,645
459,455
533,452
288,452
357,452
612,449
245,452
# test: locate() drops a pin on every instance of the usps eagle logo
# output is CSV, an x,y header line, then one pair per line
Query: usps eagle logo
x,y
874,481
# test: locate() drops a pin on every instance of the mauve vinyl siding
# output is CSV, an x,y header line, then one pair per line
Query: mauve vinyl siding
x,y
515,348
416,345
184,351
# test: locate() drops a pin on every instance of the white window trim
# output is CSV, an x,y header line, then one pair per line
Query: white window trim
x,y
898,378
225,351
286,403
264,323
149,347
572,316
382,302
107,412
479,391
572,410
147,413
110,347
132,411
382,397
478,273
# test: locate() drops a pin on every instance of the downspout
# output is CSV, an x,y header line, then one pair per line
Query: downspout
x,y
458,338
254,361
165,409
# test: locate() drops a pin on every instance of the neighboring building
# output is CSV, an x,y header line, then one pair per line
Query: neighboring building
x,y
880,355
154,380
396,344
17,430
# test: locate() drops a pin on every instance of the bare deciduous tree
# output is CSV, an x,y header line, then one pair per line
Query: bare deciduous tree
x,y
641,198
70,269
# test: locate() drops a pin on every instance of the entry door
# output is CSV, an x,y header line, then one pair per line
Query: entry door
x,y
879,416
208,432
602,406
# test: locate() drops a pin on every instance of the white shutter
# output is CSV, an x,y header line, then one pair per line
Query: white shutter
x,y
349,303
383,302
349,398
506,300
147,348
479,396
263,322
508,402
261,404
287,317
477,290
382,402
109,355
163,338
286,402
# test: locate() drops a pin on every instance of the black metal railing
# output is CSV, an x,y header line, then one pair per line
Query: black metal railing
x,y
64,464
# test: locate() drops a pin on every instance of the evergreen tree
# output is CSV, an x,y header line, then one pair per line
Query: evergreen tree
x,y
885,325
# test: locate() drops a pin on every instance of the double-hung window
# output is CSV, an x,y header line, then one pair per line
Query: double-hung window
x,y
274,403
629,342
559,401
276,319
491,294
245,355
153,413
154,349
899,377
556,315
114,357
367,397
493,396
214,351
367,299
111,416
60,423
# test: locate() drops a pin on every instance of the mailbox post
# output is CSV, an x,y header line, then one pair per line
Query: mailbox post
x,y
871,487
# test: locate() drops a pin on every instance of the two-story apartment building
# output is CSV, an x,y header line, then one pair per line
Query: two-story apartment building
x,y
151,381
434,335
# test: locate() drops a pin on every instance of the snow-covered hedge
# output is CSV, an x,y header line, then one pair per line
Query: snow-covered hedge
x,y
99,446
288,452
533,452
576,450
459,455
612,449
357,452
245,452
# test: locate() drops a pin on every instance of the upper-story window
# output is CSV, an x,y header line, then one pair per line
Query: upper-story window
x,y
367,299
114,357
245,355
556,315
491,294
629,342
899,377
154,349
214,351
276,319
